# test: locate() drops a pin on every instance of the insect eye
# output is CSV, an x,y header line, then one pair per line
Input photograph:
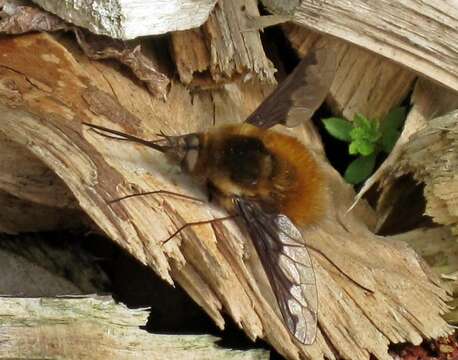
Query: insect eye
x,y
190,159
192,143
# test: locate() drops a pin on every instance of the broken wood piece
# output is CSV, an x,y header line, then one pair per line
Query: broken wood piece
x,y
429,100
127,20
365,302
431,157
421,37
222,50
20,19
48,327
365,82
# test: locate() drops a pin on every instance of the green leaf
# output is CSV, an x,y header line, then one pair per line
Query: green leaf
x,y
360,169
361,121
353,148
366,148
389,140
362,147
394,119
357,134
339,128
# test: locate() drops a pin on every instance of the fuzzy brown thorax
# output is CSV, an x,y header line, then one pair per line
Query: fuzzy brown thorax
x,y
273,169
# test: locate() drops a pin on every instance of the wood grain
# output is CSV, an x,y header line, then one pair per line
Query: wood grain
x,y
97,328
421,36
222,50
365,82
366,302
130,19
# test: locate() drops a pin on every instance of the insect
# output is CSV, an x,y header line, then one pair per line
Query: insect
x,y
268,179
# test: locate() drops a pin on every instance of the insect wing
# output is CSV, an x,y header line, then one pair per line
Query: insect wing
x,y
288,266
300,94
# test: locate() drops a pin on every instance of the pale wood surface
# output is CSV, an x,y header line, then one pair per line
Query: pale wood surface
x,y
419,35
365,82
215,264
125,19
96,328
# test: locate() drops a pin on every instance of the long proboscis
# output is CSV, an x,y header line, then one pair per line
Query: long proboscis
x,y
127,137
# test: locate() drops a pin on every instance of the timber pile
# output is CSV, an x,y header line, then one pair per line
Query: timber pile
x,y
56,174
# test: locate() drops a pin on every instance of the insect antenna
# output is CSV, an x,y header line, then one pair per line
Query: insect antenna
x,y
100,130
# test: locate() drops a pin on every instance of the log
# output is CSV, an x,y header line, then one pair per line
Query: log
x,y
420,36
221,51
366,302
365,82
121,19
96,328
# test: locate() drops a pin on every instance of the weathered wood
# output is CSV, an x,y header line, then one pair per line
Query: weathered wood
x,y
19,18
419,35
124,19
439,248
215,264
365,82
429,100
431,156
96,328
222,50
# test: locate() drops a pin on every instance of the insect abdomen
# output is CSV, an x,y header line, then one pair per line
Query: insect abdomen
x,y
300,180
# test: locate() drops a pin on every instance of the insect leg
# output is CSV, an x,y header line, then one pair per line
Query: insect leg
x,y
166,192
202,222
339,269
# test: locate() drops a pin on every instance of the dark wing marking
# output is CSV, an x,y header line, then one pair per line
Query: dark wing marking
x,y
288,266
297,97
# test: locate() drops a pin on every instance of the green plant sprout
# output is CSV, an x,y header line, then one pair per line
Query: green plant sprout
x,y
367,138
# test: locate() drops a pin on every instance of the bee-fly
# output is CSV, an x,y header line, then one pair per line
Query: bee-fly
x,y
270,180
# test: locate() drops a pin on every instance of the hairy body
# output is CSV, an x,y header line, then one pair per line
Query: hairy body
x,y
274,170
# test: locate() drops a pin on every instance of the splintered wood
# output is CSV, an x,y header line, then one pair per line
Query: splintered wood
x,y
222,50
371,294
